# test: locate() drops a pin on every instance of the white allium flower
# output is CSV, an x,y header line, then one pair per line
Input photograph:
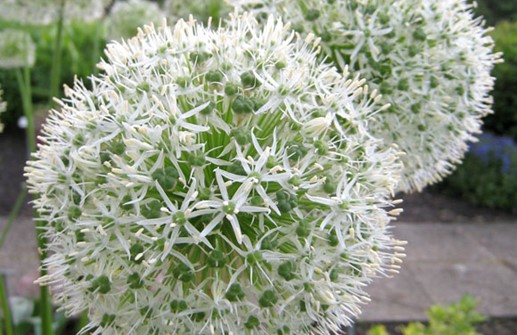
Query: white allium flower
x,y
126,16
3,107
16,49
204,185
430,59
200,9
43,12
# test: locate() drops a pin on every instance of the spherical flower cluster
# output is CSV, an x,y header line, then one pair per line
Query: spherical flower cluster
x,y
201,10
206,185
125,17
3,107
43,12
431,60
16,49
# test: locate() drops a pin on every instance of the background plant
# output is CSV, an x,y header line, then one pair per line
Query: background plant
x,y
459,318
78,59
488,175
504,119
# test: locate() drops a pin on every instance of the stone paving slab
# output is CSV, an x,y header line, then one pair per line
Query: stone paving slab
x,y
19,257
501,239
444,262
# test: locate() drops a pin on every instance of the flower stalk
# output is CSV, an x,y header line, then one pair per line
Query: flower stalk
x,y
55,75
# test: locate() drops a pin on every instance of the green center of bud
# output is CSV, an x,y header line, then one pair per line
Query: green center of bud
x,y
242,136
248,79
208,109
304,228
268,299
74,213
178,306
198,57
167,177
134,281
286,202
231,89
286,270
312,14
183,273
101,284
196,159
229,207
152,210
330,185
216,259
243,105
252,322
214,76
179,218
136,252
234,293
254,257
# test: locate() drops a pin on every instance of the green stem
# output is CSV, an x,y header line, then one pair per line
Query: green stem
x,y
5,307
24,83
96,48
14,213
55,76
83,321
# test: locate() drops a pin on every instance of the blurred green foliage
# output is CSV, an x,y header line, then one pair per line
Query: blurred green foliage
x,y
459,318
504,119
484,182
82,43
498,10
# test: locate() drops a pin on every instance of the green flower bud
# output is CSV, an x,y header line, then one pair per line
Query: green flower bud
x,y
268,299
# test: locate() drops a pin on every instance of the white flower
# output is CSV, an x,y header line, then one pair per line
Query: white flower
x,y
43,12
3,107
126,16
431,60
183,194
16,49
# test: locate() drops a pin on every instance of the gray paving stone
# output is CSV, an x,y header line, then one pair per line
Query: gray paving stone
x,y
19,257
399,298
491,283
500,239
435,241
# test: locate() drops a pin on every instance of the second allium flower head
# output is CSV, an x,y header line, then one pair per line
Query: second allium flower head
x,y
205,185
430,59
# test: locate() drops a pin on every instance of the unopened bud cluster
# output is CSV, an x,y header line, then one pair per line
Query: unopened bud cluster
x,y
205,184
17,50
43,12
126,16
430,59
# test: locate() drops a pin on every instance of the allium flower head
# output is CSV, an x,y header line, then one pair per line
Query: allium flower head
x,y
126,16
16,49
431,60
205,186
43,12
